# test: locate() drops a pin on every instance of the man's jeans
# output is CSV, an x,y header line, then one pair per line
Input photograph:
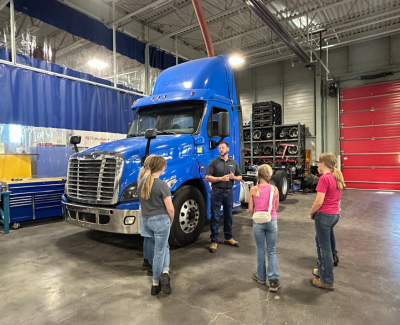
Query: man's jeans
x,y
158,228
265,233
324,224
226,200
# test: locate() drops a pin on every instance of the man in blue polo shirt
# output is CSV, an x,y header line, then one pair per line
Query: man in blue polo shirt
x,y
222,172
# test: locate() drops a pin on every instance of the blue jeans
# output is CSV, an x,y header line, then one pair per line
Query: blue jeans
x,y
158,228
265,233
324,224
226,200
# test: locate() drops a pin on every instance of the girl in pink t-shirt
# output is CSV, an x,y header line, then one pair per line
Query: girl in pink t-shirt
x,y
325,211
265,232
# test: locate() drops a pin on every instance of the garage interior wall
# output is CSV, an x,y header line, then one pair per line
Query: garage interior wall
x,y
291,84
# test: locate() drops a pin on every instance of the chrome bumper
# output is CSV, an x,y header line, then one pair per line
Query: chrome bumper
x,y
109,220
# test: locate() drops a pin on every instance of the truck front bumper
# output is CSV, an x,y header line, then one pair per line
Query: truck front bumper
x,y
103,219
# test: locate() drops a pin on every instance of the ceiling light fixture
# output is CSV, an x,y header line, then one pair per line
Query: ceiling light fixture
x,y
235,60
97,64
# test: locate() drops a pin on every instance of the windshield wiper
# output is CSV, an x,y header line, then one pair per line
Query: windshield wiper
x,y
166,132
132,136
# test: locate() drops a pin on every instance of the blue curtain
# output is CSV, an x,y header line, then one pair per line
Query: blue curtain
x,y
38,99
66,18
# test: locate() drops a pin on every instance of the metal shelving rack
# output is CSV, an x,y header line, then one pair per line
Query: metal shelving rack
x,y
300,142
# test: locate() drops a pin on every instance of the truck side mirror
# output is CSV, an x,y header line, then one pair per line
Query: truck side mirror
x,y
223,125
74,140
149,135
129,127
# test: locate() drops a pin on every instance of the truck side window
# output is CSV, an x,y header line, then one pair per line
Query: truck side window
x,y
212,125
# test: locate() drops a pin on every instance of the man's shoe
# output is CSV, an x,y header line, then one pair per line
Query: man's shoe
x,y
213,248
316,273
165,281
255,278
232,242
145,264
335,258
155,290
317,283
274,285
150,270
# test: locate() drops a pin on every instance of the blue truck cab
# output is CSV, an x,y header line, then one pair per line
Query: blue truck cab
x,y
190,101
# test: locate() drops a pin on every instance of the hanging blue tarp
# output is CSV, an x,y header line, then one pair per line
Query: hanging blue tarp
x,y
57,14
42,100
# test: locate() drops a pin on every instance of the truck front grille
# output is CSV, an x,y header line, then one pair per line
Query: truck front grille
x,y
94,180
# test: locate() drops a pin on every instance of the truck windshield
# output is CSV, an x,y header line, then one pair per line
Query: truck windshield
x,y
171,118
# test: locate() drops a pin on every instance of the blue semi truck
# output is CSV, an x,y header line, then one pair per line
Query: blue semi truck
x,y
193,107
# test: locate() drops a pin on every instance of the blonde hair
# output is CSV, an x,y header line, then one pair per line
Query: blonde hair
x,y
263,172
156,164
330,161
144,168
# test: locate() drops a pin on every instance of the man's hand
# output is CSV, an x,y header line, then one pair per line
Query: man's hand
x,y
225,178
312,217
231,175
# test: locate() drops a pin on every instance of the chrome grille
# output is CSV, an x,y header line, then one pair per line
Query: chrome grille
x,y
94,180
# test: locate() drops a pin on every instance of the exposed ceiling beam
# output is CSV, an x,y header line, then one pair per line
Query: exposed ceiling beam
x,y
153,5
215,17
3,3
167,12
335,28
262,28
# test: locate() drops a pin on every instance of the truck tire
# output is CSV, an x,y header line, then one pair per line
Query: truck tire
x,y
282,184
190,213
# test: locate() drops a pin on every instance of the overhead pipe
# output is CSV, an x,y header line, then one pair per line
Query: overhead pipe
x,y
204,27
269,19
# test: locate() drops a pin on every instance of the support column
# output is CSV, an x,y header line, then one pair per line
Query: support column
x,y
147,88
318,110
12,23
114,45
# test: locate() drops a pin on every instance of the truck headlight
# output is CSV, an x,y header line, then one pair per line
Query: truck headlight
x,y
130,193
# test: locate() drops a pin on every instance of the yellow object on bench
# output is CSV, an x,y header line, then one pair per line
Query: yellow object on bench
x,y
15,166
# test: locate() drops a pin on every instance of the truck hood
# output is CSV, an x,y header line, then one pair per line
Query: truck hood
x,y
178,150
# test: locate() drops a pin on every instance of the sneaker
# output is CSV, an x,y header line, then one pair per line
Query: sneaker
x,y
274,285
316,273
255,278
145,264
165,281
231,242
150,270
155,290
213,248
335,258
317,283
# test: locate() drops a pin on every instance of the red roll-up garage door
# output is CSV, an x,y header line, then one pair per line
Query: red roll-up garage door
x,y
370,136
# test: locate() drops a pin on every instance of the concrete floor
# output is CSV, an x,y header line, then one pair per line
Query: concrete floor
x,y
55,273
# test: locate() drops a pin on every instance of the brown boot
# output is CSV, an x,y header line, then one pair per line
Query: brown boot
x,y
316,273
213,248
317,283
231,242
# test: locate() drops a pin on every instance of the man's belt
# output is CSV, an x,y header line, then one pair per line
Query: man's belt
x,y
223,190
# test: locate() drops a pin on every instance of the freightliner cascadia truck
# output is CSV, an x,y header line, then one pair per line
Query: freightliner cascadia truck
x,y
193,107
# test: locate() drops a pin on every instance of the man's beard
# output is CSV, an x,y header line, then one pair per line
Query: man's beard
x,y
224,154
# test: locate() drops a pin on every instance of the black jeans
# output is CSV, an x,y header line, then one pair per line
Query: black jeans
x,y
226,200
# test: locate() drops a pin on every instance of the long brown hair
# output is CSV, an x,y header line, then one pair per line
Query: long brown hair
x,y
156,164
144,168
263,172
330,161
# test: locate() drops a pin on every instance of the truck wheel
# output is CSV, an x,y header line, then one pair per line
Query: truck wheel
x,y
190,212
283,184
